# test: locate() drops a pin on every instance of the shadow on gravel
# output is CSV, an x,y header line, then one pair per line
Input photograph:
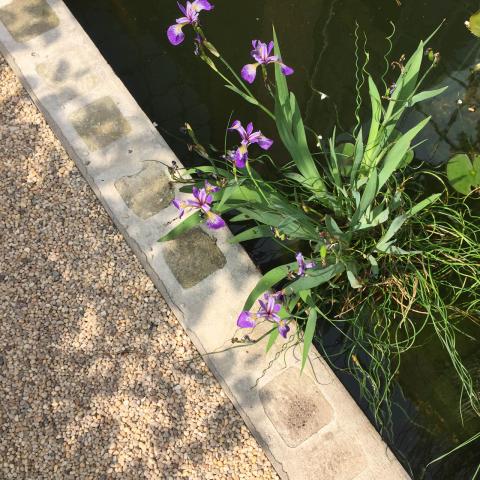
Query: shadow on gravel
x,y
95,377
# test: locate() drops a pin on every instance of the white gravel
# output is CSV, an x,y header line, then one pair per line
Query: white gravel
x,y
93,378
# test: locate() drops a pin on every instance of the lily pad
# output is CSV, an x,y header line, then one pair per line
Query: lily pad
x,y
345,155
462,174
473,24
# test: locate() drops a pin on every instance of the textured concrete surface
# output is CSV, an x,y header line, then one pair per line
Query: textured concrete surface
x,y
148,191
193,256
68,80
100,123
26,19
337,456
345,448
295,405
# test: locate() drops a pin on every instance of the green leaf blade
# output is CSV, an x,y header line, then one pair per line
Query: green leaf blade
x,y
190,222
308,335
270,279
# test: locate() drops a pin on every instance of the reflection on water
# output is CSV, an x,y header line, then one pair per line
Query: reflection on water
x,y
318,41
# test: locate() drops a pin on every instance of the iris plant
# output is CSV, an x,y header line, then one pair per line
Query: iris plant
x,y
248,137
261,54
269,308
191,13
202,199
303,266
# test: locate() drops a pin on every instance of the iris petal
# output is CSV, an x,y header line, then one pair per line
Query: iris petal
x,y
181,205
209,188
199,5
237,125
246,320
241,157
270,47
249,72
182,8
286,70
264,142
214,221
175,34
283,328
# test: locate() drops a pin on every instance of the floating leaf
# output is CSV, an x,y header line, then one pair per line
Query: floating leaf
x,y
462,174
473,24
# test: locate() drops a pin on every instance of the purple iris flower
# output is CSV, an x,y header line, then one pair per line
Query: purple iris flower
x,y
261,54
269,308
191,12
202,199
248,137
302,265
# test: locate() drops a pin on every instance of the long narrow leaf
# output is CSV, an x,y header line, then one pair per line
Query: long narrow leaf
x,y
426,95
187,224
397,153
272,338
368,196
308,335
392,230
260,231
423,204
359,152
270,279
373,140
315,278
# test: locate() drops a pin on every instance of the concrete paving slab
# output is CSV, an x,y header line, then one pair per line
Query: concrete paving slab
x,y
68,82
26,19
295,405
100,123
334,456
193,256
147,192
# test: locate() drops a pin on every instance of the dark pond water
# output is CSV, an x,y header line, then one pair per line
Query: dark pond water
x,y
317,38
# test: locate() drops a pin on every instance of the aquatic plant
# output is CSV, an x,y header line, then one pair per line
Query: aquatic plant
x,y
261,53
202,199
269,311
386,260
248,137
191,13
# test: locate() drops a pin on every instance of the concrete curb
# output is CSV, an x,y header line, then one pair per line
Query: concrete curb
x,y
308,425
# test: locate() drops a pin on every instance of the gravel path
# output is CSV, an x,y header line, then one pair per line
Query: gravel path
x,y
94,382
